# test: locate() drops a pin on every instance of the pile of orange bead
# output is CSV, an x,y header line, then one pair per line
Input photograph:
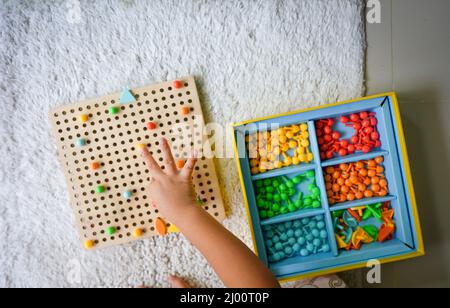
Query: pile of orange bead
x,y
350,181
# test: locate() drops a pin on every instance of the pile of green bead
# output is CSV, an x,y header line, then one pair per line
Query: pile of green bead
x,y
279,195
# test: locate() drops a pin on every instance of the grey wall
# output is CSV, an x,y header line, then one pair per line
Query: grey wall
x,y
409,53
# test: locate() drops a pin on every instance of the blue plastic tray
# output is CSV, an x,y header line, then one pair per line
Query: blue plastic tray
x,y
407,241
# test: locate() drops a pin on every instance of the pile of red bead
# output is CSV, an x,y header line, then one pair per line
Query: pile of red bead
x,y
365,139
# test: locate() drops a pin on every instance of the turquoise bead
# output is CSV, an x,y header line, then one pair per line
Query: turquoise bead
x,y
288,250
319,218
315,233
321,225
284,237
282,255
297,224
301,241
127,194
304,253
269,234
269,243
296,247
288,224
80,142
325,248
312,224
276,257
275,239
317,242
290,233
309,237
305,221
323,234
298,233
310,247
278,246
291,241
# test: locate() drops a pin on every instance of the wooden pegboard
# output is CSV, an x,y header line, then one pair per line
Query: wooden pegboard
x,y
111,140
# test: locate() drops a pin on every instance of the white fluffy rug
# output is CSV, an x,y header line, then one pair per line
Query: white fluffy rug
x,y
251,58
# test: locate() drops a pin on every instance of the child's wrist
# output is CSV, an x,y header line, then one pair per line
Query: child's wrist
x,y
186,215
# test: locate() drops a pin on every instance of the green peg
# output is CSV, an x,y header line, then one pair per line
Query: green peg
x,y
270,214
269,196
284,196
291,206
372,231
315,191
291,192
283,187
267,182
110,230
275,207
261,203
113,110
275,183
307,201
276,198
316,204
259,183
297,180
100,189
299,202
263,214
284,210
376,212
338,214
270,189
287,181
310,174
311,187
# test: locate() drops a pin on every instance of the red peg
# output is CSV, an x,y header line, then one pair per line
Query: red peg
x,y
364,115
375,136
336,135
343,152
354,117
365,149
151,125
351,148
345,119
327,130
177,84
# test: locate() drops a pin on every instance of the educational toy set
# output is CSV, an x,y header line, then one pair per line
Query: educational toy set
x,y
329,188
98,143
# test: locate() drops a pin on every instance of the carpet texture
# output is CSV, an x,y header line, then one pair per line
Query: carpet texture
x,y
250,58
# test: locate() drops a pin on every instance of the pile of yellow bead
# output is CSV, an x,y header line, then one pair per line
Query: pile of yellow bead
x,y
279,148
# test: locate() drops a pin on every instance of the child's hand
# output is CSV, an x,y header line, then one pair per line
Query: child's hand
x,y
171,189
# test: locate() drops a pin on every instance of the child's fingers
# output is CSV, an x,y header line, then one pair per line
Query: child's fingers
x,y
169,161
188,168
152,165
178,283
